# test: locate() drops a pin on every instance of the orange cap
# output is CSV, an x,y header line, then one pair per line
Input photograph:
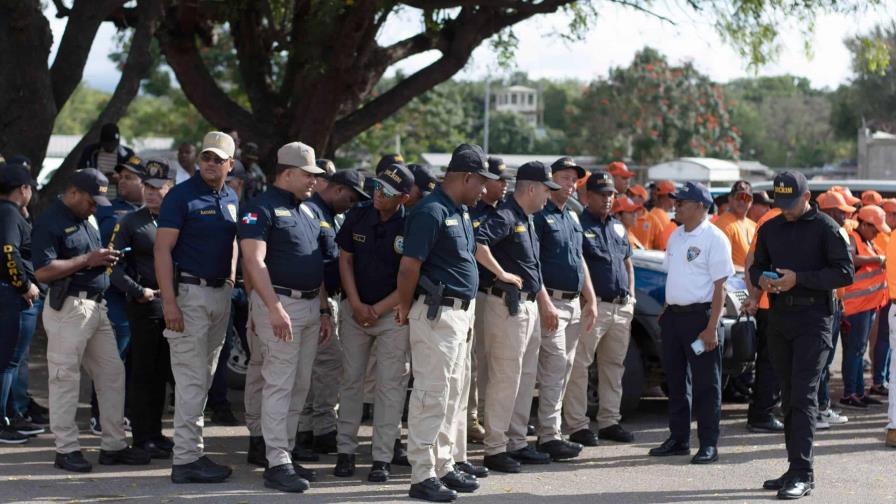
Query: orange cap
x,y
618,169
625,204
662,187
874,215
871,198
581,182
833,199
847,194
889,205
638,190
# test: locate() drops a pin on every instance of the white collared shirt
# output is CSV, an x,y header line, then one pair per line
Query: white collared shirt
x,y
694,261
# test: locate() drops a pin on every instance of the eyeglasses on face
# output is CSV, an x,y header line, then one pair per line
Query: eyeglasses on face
x,y
208,157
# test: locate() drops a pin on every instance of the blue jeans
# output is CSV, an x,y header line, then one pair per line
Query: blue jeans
x,y
881,373
11,303
854,352
27,324
824,398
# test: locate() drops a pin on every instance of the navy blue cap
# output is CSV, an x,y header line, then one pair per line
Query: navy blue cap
x,y
133,164
694,191
496,165
536,171
424,178
350,178
14,175
468,158
789,186
398,178
600,181
388,160
157,173
94,183
567,163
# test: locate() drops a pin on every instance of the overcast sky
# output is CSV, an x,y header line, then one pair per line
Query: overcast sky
x,y
617,35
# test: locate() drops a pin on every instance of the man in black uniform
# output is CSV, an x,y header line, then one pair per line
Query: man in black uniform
x,y
68,255
425,182
135,276
808,254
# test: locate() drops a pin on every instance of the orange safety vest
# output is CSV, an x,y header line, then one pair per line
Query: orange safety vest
x,y
869,288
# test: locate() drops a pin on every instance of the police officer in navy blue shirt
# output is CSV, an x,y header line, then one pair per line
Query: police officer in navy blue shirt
x,y
425,182
128,198
344,189
607,253
197,234
808,252
440,246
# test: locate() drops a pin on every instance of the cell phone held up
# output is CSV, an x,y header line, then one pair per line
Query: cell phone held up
x,y
698,346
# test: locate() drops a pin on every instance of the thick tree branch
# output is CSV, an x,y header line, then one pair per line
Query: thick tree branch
x,y
254,60
136,68
177,39
84,19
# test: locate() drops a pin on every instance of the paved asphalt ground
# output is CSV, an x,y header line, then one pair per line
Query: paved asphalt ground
x,y
852,465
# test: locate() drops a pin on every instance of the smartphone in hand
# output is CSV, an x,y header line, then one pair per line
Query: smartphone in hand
x,y
698,346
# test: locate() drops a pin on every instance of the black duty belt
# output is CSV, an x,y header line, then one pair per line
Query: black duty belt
x,y
451,302
296,294
789,300
562,295
88,295
494,291
620,300
204,282
696,307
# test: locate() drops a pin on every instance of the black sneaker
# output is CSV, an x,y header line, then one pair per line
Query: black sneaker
x,y
475,470
853,402
11,436
870,401
325,443
345,466
432,490
73,461
559,449
154,450
529,455
379,472
284,478
200,471
460,482
125,456
37,414
880,390
400,454
585,437
616,433
21,425
225,417
501,462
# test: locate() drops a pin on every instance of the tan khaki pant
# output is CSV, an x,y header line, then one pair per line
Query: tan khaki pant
x,y
609,339
80,334
392,371
478,364
438,352
319,412
194,357
279,373
463,416
555,361
512,349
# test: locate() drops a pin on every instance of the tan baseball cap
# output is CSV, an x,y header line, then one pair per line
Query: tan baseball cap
x,y
219,143
299,155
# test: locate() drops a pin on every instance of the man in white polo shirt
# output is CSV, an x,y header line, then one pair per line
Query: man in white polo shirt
x,y
698,260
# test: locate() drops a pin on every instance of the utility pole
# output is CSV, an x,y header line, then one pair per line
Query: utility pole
x,y
488,83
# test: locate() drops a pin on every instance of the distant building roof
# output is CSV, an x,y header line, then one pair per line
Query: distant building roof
x,y
710,171
519,89
61,145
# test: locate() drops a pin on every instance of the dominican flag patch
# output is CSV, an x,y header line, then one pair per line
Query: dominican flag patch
x,y
250,218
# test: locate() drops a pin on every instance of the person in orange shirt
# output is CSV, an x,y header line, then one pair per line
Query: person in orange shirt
x,y
761,204
891,336
880,356
735,224
621,176
627,212
861,301
871,198
638,194
662,205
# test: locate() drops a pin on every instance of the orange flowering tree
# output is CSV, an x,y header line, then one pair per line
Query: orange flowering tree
x,y
651,111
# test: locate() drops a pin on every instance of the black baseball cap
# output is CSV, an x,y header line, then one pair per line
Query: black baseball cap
x,y
567,163
238,171
350,178
14,175
94,183
600,181
469,158
388,160
396,179
327,166
109,133
789,186
424,178
496,165
694,191
133,164
536,171
741,186
157,173
761,198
